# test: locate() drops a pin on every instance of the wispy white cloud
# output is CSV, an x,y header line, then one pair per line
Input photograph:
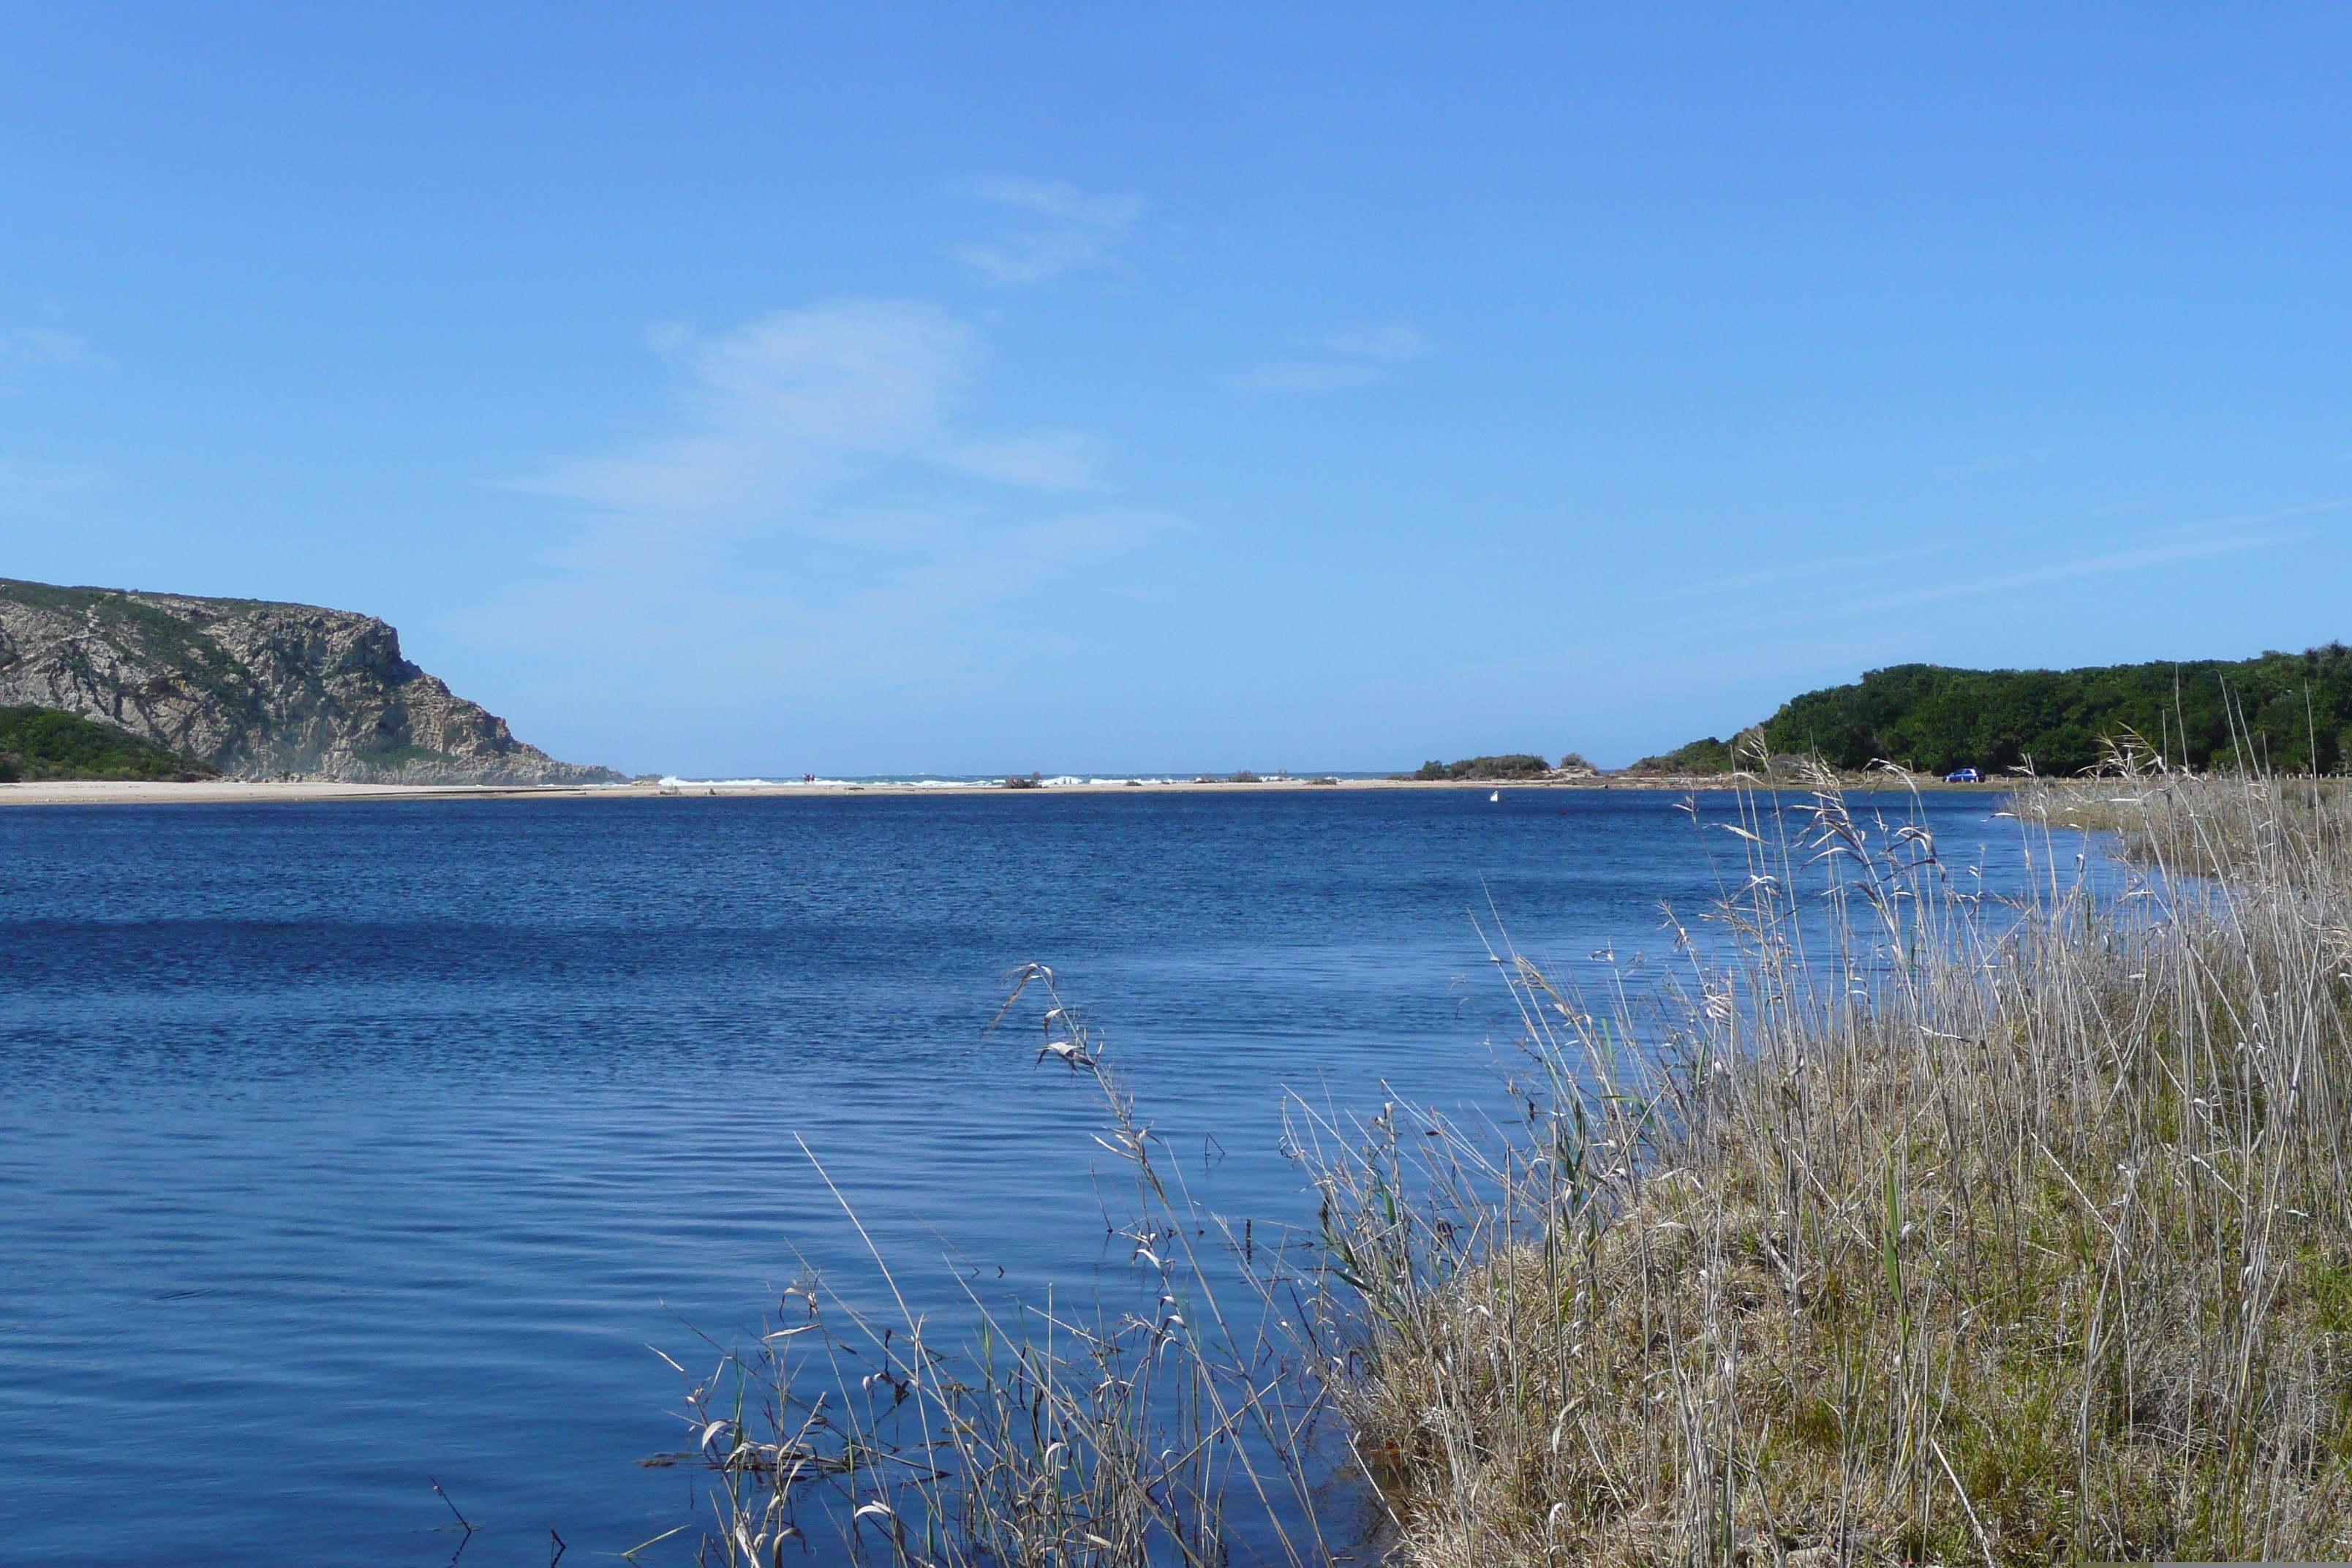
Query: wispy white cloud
x,y
46,347
1359,356
1824,566
1050,460
1053,199
775,412
817,505
1079,231
2181,545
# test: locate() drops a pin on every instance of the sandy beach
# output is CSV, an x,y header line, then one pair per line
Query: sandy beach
x,y
247,791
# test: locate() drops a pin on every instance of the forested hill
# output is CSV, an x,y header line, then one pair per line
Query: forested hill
x,y
2292,711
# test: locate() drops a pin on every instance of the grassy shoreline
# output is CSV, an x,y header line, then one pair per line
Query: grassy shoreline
x,y
2026,1240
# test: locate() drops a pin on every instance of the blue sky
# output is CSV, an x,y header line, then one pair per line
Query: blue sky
x,y
874,389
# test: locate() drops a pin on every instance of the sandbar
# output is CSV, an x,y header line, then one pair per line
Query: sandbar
x,y
236,792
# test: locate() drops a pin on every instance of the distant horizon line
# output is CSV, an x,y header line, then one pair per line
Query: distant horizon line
x,y
1113,776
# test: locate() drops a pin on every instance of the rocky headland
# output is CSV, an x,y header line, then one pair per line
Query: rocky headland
x,y
257,690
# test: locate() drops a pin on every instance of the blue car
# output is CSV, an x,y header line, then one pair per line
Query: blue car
x,y
1966,775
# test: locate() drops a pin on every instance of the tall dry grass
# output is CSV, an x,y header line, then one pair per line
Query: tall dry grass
x,y
1166,1426
2246,827
1937,1230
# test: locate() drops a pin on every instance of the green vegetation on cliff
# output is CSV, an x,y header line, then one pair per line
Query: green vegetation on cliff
x,y
44,744
2292,712
257,689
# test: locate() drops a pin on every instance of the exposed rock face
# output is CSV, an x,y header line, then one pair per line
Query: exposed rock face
x,y
257,690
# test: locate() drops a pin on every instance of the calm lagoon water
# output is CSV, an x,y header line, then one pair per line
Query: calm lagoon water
x,y
346,1145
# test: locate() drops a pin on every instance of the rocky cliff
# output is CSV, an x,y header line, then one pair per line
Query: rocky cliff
x,y
257,690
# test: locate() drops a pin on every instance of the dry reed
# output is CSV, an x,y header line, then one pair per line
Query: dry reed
x,y
1172,1430
1944,1229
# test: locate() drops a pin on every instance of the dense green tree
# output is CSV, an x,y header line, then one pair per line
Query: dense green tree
x,y
2292,712
1516,765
